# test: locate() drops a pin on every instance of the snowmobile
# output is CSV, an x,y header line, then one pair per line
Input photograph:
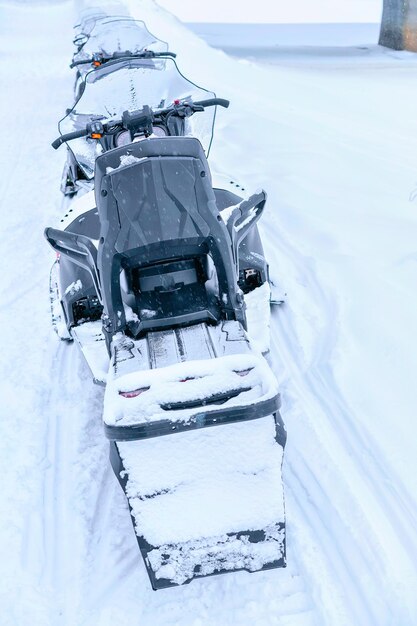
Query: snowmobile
x,y
128,84
101,38
150,282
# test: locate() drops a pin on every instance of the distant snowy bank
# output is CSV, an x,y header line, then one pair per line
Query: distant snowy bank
x,y
229,37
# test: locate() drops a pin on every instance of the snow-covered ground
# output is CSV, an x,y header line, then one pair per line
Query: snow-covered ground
x,y
334,141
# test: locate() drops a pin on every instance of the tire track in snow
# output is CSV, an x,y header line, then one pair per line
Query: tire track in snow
x,y
73,453
62,542
361,445
316,391
309,505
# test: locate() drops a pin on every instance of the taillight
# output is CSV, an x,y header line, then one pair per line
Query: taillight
x,y
243,372
185,380
134,393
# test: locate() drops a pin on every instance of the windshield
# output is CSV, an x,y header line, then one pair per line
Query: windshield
x,y
90,14
107,35
129,85
87,19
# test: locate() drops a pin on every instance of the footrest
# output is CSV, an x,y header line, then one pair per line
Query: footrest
x,y
90,338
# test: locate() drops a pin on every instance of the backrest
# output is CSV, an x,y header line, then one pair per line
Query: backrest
x,y
156,204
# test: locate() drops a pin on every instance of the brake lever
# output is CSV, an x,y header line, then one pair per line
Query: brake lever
x,y
185,109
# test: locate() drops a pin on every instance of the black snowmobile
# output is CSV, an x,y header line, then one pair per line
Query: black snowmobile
x,y
131,83
150,281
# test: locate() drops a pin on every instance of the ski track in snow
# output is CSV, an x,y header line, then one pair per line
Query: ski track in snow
x,y
314,389
70,556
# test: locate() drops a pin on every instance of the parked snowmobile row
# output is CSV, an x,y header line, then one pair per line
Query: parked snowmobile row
x,y
158,265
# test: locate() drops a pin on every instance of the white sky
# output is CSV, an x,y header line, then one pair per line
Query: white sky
x,y
275,11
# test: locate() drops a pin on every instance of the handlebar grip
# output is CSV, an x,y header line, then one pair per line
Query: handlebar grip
x,y
75,135
211,102
84,62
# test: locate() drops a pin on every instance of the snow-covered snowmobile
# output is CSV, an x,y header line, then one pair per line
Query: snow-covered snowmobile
x,y
149,284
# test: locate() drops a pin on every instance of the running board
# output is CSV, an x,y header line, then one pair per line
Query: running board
x,y
90,339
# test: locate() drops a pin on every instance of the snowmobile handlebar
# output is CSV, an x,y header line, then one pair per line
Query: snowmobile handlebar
x,y
142,120
68,137
99,59
211,102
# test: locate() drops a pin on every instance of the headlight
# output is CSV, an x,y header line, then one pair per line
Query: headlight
x,y
159,131
123,138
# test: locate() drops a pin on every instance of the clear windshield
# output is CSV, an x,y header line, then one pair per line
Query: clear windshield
x,y
107,35
129,86
87,20
88,16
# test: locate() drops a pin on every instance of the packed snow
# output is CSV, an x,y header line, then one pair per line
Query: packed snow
x,y
177,562
184,466
332,138
74,287
173,491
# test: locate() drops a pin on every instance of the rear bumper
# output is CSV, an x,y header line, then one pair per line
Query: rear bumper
x,y
201,419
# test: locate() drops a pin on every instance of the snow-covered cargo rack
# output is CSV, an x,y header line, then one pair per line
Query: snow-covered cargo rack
x,y
182,379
